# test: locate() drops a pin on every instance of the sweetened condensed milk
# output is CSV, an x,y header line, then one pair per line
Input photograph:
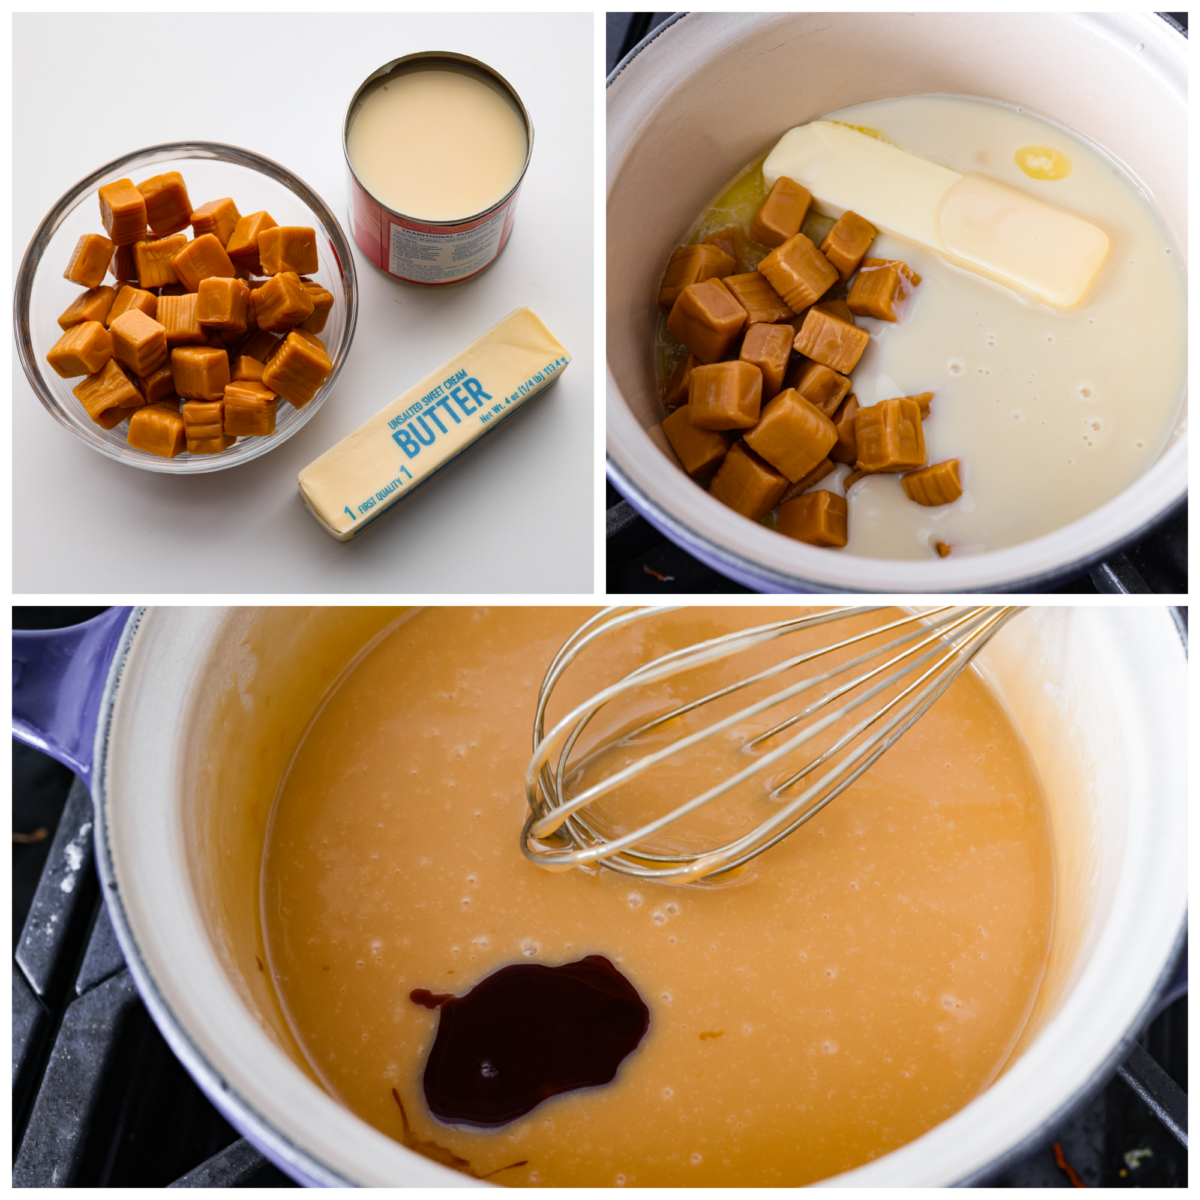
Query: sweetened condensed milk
x,y
847,991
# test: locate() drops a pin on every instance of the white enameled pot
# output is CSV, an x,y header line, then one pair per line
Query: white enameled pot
x,y
200,713
707,92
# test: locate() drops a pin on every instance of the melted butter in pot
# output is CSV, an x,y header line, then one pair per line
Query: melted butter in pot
x,y
852,988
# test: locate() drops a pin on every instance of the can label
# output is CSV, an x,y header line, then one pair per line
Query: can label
x,y
435,256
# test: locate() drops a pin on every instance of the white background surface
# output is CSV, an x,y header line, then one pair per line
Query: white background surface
x,y
513,514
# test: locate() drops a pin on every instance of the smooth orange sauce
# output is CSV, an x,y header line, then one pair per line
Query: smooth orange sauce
x,y
850,989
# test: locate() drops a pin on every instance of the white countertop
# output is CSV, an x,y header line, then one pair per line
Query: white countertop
x,y
515,513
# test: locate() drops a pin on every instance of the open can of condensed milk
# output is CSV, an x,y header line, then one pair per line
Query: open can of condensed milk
x,y
436,147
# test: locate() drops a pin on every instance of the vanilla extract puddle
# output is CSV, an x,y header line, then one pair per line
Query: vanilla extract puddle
x,y
855,986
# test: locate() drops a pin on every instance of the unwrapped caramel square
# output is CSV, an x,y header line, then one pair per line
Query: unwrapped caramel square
x,y
822,386
889,436
675,390
157,429
200,372
934,485
260,345
282,302
203,419
123,212
158,385
747,484
123,264
791,435
818,518
153,260
82,350
322,300
89,260
249,410
221,303
730,239
298,368
701,451
93,305
706,319
179,317
725,395
880,290
781,214
799,272
242,246
846,450
247,369
832,339
847,242
168,209
138,341
201,259
768,347
763,304
692,264
288,248
218,218
130,297
106,392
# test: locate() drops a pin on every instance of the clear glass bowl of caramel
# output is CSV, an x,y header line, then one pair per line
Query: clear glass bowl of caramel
x,y
211,170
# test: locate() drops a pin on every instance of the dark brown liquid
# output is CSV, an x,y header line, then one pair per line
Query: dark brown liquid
x,y
526,1033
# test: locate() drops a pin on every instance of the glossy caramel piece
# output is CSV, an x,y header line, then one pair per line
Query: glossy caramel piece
x,y
203,419
846,450
282,303
730,239
179,317
250,410
123,264
747,484
823,468
108,389
941,548
168,209
829,338
221,303
822,386
288,248
260,345
692,264
880,290
157,429
322,300
89,261
675,390
706,319
130,297
93,305
203,258
218,218
934,485
726,395
138,341
847,243
209,445
799,272
82,350
123,212
791,435
298,368
763,304
200,372
247,369
923,400
889,436
242,246
769,348
153,260
818,518
157,386
781,214
701,451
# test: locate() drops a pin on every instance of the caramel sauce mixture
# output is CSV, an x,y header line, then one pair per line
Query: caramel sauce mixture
x,y
842,994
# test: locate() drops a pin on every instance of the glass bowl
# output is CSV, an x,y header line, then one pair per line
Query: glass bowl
x,y
210,170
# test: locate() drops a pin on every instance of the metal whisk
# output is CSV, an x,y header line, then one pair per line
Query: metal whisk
x,y
930,650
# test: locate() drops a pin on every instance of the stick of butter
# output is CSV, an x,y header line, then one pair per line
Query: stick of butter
x,y
987,227
389,456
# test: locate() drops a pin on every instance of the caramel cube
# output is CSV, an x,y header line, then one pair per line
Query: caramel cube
x,y
178,316
130,297
728,239
923,401
297,370
168,209
242,246
260,345
768,347
123,264
726,395
760,300
200,372
157,429
831,339
123,211
818,518
289,248
282,302
322,300
82,350
847,242
249,410
107,390
692,264
747,484
89,260
791,435
153,260
781,214
156,386
93,305
823,468
209,445
846,450
217,218
822,386
880,290
889,436
799,272
222,304
706,319
675,391
138,341
203,419
201,259
699,450
931,486
247,370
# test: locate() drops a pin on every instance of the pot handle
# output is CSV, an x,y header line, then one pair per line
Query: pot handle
x,y
58,681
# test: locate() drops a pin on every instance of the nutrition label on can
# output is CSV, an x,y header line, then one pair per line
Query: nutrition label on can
x,y
444,257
